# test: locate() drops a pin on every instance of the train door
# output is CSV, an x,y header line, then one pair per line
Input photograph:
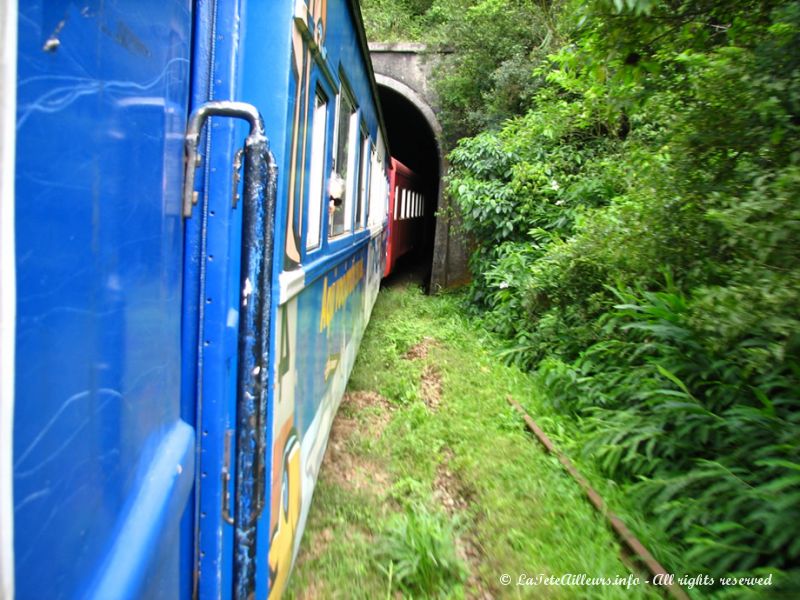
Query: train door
x,y
209,334
104,446
227,305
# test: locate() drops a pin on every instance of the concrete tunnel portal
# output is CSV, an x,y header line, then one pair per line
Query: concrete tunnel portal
x,y
404,73
413,142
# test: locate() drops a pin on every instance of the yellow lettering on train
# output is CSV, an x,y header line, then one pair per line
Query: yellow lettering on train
x,y
335,295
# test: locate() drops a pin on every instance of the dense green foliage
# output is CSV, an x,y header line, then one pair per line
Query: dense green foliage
x,y
632,191
637,236
493,48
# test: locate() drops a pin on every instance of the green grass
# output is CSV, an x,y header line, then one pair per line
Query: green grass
x,y
512,508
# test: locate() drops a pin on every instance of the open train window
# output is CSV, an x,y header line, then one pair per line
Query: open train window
x,y
363,178
316,198
341,183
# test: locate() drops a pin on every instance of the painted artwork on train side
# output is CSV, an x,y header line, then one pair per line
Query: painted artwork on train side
x,y
329,317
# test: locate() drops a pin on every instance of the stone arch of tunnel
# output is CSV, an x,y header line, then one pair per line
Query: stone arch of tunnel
x,y
414,133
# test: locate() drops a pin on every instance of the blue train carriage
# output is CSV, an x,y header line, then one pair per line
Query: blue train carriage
x,y
329,247
182,329
332,254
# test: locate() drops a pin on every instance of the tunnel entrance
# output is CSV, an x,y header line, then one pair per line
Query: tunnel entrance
x,y
413,142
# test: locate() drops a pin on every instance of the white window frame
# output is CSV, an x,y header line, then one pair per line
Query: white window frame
x,y
347,202
363,177
351,193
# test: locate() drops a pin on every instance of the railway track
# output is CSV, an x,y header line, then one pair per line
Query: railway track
x,y
637,550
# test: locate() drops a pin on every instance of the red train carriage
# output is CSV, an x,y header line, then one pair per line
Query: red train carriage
x,y
406,213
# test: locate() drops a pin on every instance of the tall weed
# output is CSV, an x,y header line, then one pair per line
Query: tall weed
x,y
418,554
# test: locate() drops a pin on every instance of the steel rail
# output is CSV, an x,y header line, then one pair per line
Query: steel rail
x,y
620,529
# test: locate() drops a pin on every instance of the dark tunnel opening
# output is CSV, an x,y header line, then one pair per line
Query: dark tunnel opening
x,y
413,142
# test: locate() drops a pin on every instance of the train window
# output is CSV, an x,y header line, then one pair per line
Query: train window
x,y
379,197
365,164
374,179
385,191
315,186
398,212
398,193
344,161
363,173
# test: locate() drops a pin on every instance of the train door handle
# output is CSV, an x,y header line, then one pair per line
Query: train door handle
x,y
198,118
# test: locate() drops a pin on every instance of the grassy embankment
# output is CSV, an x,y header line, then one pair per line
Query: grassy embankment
x,y
431,486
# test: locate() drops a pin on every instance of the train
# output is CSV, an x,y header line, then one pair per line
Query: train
x,y
195,223
407,202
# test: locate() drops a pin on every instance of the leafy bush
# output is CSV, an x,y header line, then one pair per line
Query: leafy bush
x,y
709,429
638,242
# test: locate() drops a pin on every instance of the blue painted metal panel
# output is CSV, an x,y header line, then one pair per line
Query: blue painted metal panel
x,y
103,459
